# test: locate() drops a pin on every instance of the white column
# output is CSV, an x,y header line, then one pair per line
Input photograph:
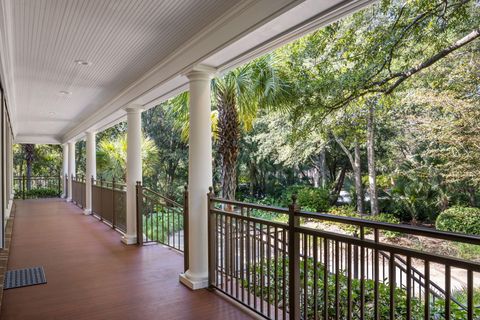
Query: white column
x,y
199,177
65,169
71,168
134,169
91,169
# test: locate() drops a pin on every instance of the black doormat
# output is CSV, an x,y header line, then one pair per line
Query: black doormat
x,y
24,277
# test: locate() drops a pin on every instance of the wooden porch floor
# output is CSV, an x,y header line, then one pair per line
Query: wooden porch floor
x,y
91,275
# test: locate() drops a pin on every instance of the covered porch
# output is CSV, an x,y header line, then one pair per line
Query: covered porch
x,y
71,70
92,276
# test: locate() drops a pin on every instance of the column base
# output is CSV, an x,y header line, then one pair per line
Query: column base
x,y
129,240
68,199
87,212
193,284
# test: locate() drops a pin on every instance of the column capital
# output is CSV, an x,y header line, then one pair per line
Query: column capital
x,y
201,72
134,108
90,132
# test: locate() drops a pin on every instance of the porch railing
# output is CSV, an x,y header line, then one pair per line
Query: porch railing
x,y
277,262
78,191
37,186
162,220
109,203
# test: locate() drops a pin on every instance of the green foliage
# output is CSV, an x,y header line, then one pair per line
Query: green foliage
x,y
162,223
47,160
257,287
308,198
269,293
171,170
112,157
317,199
38,193
347,211
460,219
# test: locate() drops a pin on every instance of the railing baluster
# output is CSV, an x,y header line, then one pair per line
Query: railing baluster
x,y
293,261
325,279
315,277
409,288
284,273
230,271
275,272
362,274
242,256
391,280
376,270
470,294
427,290
305,276
349,282
268,243
249,260
337,283
447,291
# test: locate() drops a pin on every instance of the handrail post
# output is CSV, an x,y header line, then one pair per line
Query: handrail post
x,y
59,185
23,187
91,192
293,261
355,257
139,194
212,251
113,203
101,198
185,229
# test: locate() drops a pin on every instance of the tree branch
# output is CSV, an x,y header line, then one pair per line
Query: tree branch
x,y
427,63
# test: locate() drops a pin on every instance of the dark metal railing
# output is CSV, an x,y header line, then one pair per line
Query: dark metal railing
x,y
109,203
78,191
280,264
162,220
37,186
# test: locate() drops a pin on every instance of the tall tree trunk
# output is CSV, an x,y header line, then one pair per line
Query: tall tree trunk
x,y
228,142
472,196
29,151
357,172
252,172
338,185
372,175
322,165
358,179
315,174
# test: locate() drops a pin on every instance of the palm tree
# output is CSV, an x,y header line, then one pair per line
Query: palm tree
x,y
112,157
238,95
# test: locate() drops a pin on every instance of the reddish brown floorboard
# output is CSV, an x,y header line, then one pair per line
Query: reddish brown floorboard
x,y
91,275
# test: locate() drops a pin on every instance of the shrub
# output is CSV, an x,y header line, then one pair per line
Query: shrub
x,y
274,295
41,193
460,219
317,199
347,211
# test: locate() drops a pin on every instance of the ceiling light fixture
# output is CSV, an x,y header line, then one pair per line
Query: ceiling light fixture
x,y
51,113
82,62
65,93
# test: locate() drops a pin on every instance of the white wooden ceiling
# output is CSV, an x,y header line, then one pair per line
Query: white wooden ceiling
x,y
122,39
137,51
